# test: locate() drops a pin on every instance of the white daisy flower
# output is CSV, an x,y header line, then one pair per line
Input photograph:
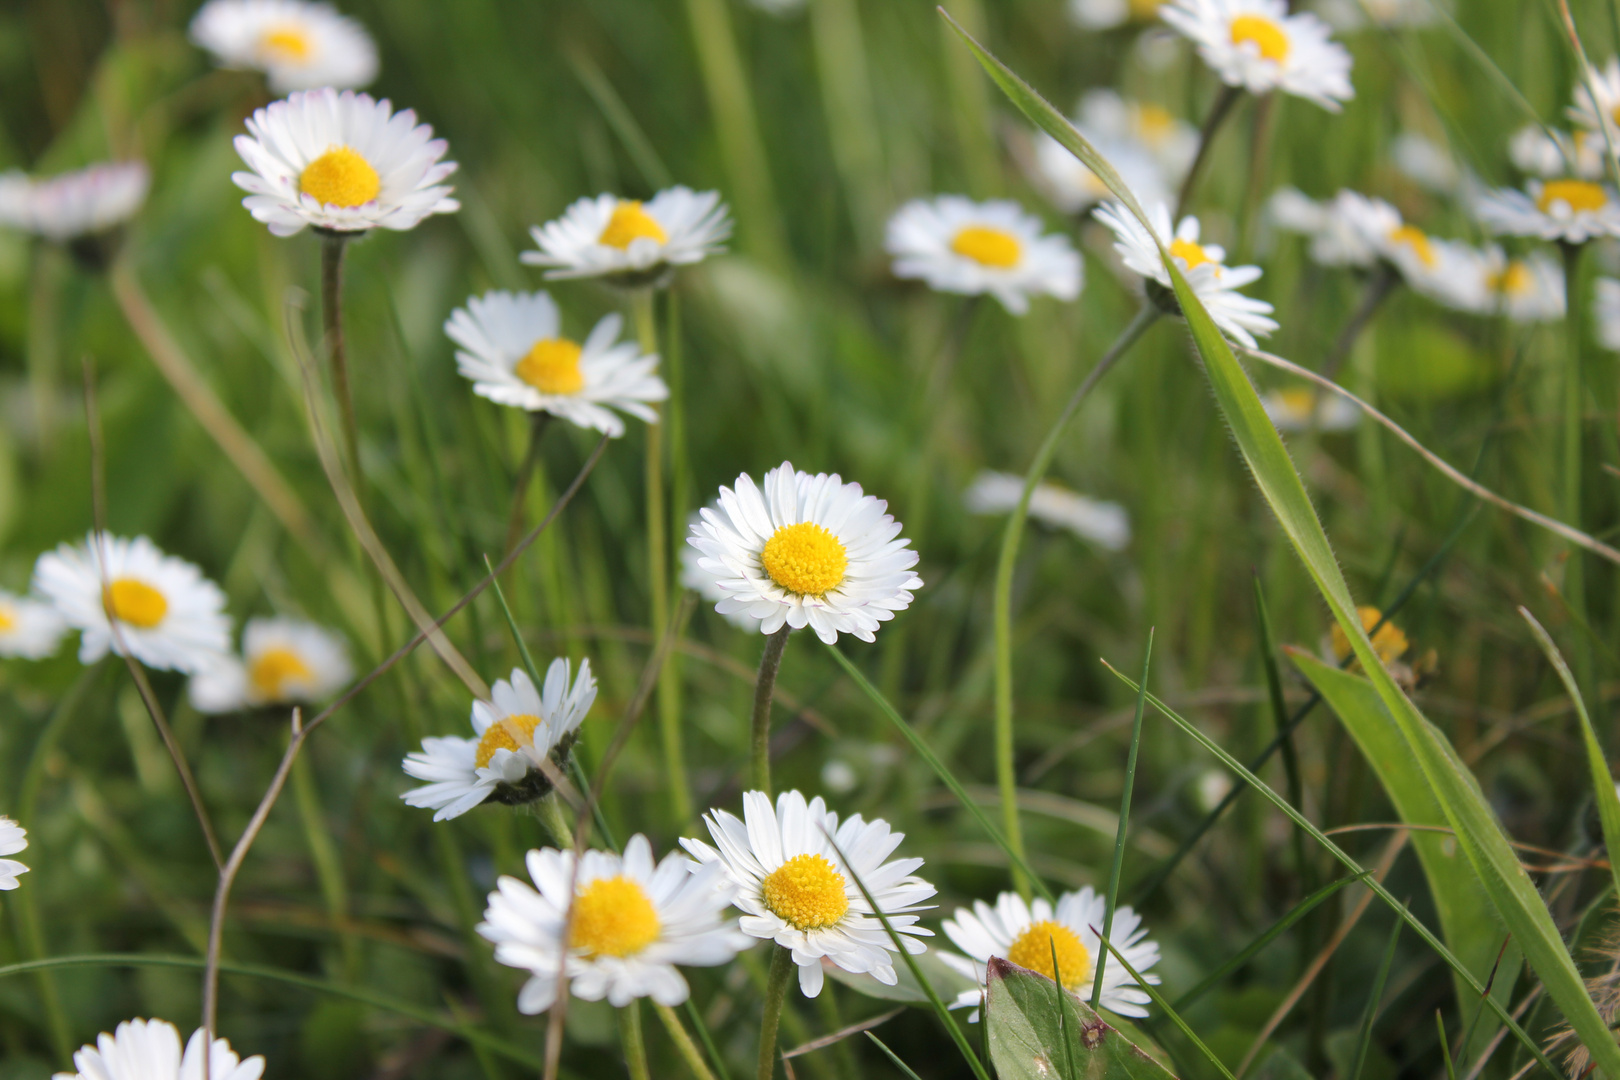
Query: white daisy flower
x,y
1028,933
1349,15
1107,14
284,661
517,729
29,629
957,245
1606,312
1215,283
150,1050
806,551
1149,148
341,161
1525,289
13,838
74,204
1586,111
1550,154
1299,409
693,577
1573,211
298,45
167,614
633,923
1426,162
1103,523
513,350
1172,141
1258,45
795,889
1334,227
632,243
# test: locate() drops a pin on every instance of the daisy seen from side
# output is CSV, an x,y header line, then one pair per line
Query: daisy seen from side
x,y
1299,409
1259,46
1588,111
1107,14
74,204
1105,524
150,1050
13,838
632,243
957,245
29,629
1525,288
1569,210
297,44
283,661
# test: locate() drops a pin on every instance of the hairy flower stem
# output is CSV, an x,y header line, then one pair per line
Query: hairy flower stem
x,y
1218,113
333,246
635,1047
538,422
764,687
1012,534
776,986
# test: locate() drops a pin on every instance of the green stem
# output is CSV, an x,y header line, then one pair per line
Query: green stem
x,y
328,866
1012,534
635,1048
555,821
1574,402
44,305
669,680
775,993
1218,113
1124,824
683,1043
764,686
333,246
538,422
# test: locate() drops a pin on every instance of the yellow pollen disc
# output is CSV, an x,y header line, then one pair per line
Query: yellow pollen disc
x,y
1145,10
1154,122
1266,36
135,602
613,917
273,669
552,367
499,736
340,177
1034,948
988,247
1192,254
805,559
1515,280
807,892
8,619
285,43
1578,194
1389,643
1413,237
1298,403
628,223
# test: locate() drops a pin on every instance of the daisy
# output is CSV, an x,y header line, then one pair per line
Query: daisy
x,y
1586,111
1359,14
1354,230
1172,141
1216,284
693,577
128,597
959,246
1028,933
1537,151
13,838
1572,211
1606,312
75,204
1107,14
806,551
298,45
283,661
1426,162
632,243
29,629
796,890
1149,148
633,923
1103,523
1336,235
342,162
516,730
150,1050
1299,409
1527,289
513,350
1258,45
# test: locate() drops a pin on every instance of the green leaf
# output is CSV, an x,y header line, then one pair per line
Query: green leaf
x,y
1024,1023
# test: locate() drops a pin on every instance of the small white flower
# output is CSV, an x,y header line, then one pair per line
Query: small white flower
x,y
1426,162
1107,14
1525,289
631,242
1149,148
1103,523
1027,934
1573,211
1299,409
1258,45
283,661
13,838
167,614
74,204
29,629
704,584
514,732
633,923
299,45
806,551
1550,154
796,890
150,1050
1172,141
1586,111
513,350
1215,283
957,245
1606,312
341,161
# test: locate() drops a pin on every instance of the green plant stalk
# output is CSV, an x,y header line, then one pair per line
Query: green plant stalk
x,y
715,1057
1218,112
1124,823
970,104
1445,1047
1373,1002
905,1069
1290,757
683,1042
1574,400
670,689
1011,535
760,724
846,98
538,422
635,1047
328,866
333,247
776,987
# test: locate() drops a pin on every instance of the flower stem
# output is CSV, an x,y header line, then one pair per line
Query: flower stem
x,y
635,1048
1013,532
1574,403
333,246
1218,113
764,687
776,986
1383,281
683,1043
538,422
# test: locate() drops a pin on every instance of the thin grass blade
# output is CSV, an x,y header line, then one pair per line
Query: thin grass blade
x,y
1374,1001
1168,1009
1124,820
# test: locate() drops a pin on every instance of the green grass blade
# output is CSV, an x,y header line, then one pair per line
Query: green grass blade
x,y
1062,1013
622,121
511,624
894,1057
1373,1003
1168,1009
1279,715
1445,1047
1124,821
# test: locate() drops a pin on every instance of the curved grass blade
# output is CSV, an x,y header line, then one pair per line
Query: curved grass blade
x,y
894,1057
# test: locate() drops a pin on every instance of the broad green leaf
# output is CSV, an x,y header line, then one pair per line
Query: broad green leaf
x,y
1023,1021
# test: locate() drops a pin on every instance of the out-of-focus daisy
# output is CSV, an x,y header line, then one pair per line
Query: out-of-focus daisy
x,y
150,1050
1586,111
957,245
796,890
806,551
513,350
1298,409
298,45
1359,14
1028,934
1149,148
1103,523
1258,45
341,161
1107,14
1525,289
517,729
29,629
1172,141
1215,283
1573,211
127,596
1426,162
633,923
1606,312
1336,235
74,204
1539,151
284,661
632,243
13,838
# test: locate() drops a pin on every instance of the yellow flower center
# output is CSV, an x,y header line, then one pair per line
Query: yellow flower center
x,y
552,367
340,177
135,602
807,892
805,559
1266,36
273,669
1190,253
613,917
8,618
1413,237
1389,643
1578,195
1145,10
988,247
1514,280
1034,948
499,737
629,223
286,43
1154,122
1297,403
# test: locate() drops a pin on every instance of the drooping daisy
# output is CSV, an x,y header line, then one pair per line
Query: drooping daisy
x,y
341,161
128,597
297,44
74,204
632,243
1258,45
1299,409
806,551
796,890
1107,14
284,661
514,732
29,629
513,350
13,838
1028,933
633,924
1216,284
1103,523
1525,289
1573,211
1586,111
1606,312
957,245
150,1050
